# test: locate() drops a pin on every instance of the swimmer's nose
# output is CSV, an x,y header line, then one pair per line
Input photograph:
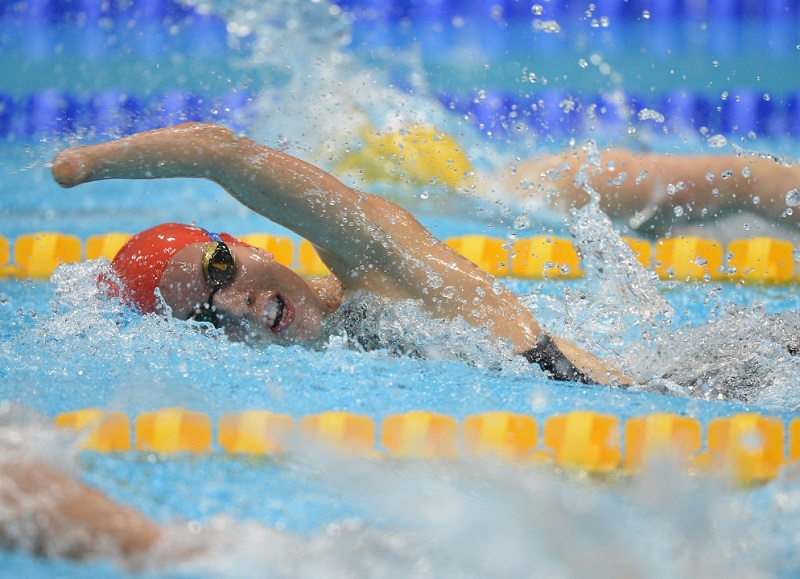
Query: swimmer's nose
x,y
233,303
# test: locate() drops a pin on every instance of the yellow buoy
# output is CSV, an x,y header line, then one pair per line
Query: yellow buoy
x,y
346,432
40,253
420,434
101,430
106,246
584,440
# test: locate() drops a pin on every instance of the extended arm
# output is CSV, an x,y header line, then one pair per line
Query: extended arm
x,y
647,187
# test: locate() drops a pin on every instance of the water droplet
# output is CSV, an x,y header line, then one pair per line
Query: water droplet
x,y
567,105
646,16
717,141
449,292
700,261
726,174
549,26
435,281
756,200
537,10
746,172
521,222
497,287
710,177
793,198
650,115
678,210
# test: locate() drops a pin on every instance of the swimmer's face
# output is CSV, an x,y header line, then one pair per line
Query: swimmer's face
x,y
264,300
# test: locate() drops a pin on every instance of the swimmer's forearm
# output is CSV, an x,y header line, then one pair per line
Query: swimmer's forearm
x,y
628,182
286,190
181,151
50,514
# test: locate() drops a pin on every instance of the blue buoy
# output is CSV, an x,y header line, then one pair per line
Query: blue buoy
x,y
746,112
685,111
113,113
50,112
7,108
176,107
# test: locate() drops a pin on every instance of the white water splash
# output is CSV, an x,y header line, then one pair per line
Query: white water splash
x,y
618,303
319,97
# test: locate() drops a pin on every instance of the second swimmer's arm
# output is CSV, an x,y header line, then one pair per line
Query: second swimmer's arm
x,y
51,514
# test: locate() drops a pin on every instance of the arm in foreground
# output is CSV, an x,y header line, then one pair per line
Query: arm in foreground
x,y
49,514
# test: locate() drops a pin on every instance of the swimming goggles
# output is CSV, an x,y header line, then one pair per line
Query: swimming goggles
x,y
219,269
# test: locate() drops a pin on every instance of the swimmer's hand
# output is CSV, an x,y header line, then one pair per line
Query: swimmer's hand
x,y
601,371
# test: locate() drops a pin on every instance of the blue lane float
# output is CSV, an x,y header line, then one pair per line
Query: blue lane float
x,y
112,112
518,9
157,10
554,113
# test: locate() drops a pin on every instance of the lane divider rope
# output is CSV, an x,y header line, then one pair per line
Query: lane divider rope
x,y
685,258
748,447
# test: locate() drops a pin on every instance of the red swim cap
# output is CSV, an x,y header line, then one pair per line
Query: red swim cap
x,y
141,262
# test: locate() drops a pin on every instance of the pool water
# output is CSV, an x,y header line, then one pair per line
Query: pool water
x,y
312,73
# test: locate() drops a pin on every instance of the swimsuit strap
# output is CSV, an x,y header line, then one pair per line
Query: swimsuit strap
x,y
550,359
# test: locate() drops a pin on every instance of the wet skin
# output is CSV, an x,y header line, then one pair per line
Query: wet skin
x,y
265,300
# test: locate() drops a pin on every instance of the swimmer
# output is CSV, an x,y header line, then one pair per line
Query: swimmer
x,y
368,244
652,192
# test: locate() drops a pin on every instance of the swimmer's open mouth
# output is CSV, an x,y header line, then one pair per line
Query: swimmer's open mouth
x,y
279,314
